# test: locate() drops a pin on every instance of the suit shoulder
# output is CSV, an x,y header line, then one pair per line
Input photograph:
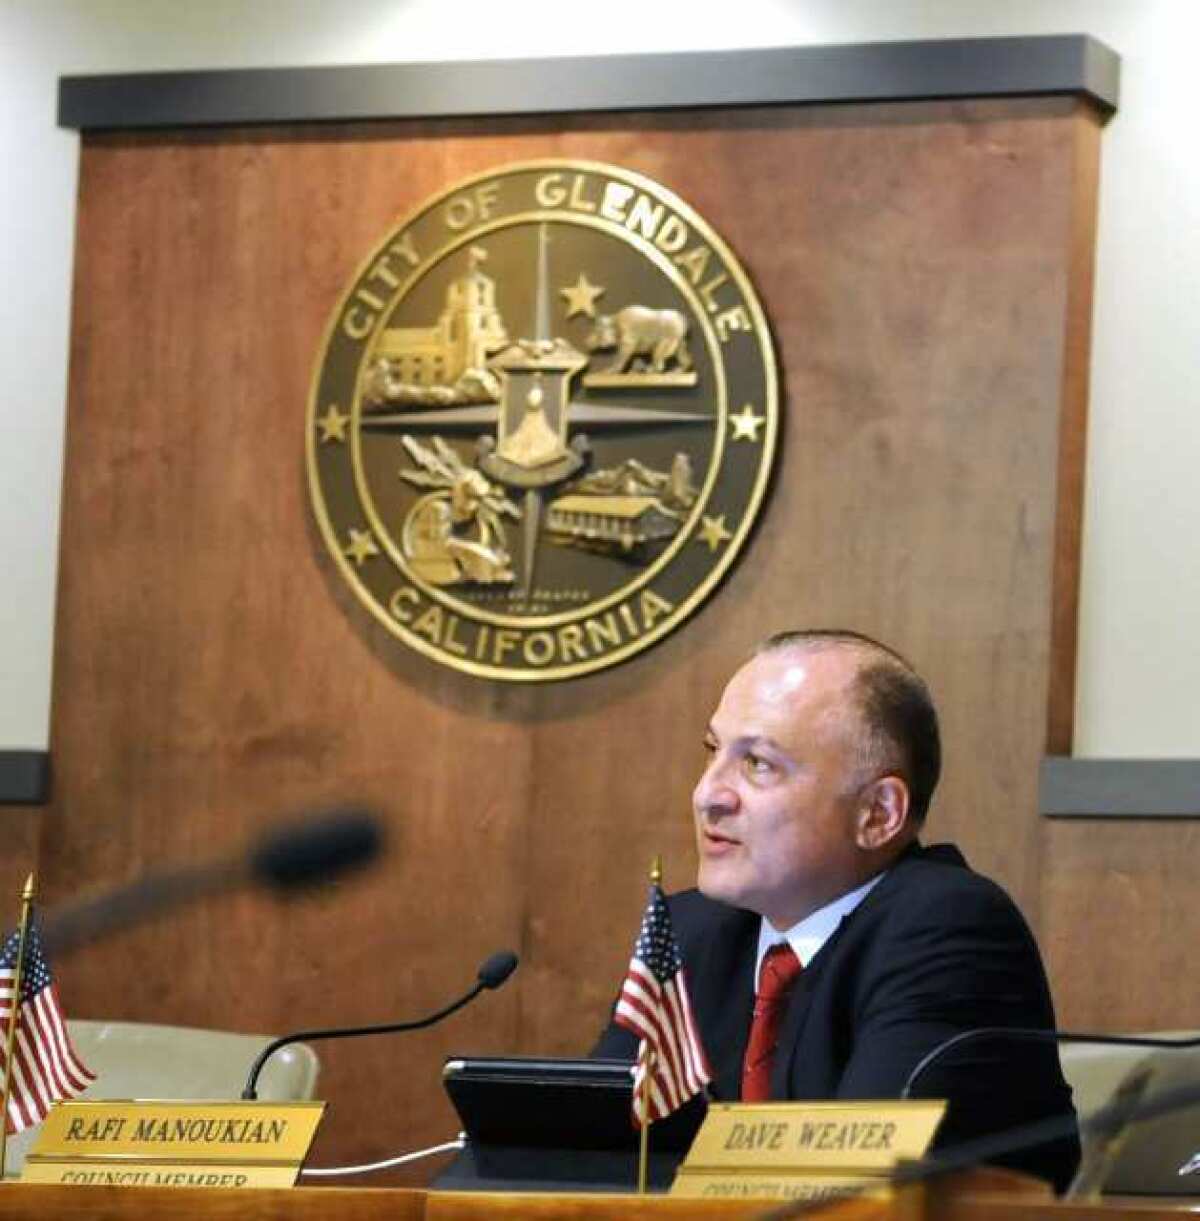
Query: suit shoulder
x,y
942,881
692,912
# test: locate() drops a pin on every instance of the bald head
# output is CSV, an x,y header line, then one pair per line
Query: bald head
x,y
897,722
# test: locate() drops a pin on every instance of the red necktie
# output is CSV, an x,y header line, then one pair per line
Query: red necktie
x,y
778,973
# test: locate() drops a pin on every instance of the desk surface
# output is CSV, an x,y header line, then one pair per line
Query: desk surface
x,y
35,1202
967,1200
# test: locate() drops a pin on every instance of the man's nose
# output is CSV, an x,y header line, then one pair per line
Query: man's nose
x,y
713,795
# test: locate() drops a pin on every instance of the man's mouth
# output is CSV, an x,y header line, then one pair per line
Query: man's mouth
x,y
715,841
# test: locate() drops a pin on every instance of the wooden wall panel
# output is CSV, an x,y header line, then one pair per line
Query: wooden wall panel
x,y
211,671
1118,918
20,828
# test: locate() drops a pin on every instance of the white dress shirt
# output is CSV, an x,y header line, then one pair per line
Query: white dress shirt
x,y
807,937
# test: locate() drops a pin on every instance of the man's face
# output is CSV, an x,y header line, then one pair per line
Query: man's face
x,y
778,805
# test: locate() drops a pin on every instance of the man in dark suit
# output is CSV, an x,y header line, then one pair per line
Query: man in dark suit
x,y
869,949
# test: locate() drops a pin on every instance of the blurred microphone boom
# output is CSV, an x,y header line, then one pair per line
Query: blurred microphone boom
x,y
297,854
316,849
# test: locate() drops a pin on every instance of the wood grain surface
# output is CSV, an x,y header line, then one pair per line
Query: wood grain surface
x,y
20,828
921,267
977,1196
955,1196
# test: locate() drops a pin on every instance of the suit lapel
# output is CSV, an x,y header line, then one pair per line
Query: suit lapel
x,y
788,1047
723,994
785,1069
788,1066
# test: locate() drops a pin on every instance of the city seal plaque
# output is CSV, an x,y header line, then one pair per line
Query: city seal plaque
x,y
543,421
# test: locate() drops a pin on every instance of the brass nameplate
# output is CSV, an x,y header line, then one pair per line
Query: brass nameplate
x,y
803,1150
871,1136
156,1174
772,1185
174,1144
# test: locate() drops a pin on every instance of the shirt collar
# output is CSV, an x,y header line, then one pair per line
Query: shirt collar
x,y
807,937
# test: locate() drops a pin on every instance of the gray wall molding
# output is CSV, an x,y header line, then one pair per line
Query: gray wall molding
x,y
1070,64
24,777
1119,788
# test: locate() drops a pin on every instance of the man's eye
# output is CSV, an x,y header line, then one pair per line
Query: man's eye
x,y
757,765
709,746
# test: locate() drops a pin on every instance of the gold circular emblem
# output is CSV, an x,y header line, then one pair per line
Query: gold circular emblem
x,y
542,421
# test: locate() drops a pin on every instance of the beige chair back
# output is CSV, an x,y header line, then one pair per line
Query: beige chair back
x,y
1094,1072
140,1060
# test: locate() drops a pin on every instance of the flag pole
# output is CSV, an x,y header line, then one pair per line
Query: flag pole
x,y
648,1054
14,1015
644,1146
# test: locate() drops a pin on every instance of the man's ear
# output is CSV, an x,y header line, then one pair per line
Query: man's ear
x,y
882,812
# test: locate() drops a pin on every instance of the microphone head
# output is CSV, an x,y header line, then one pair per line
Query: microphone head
x,y
497,968
316,849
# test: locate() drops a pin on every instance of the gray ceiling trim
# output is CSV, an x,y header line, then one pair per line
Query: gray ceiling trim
x,y
1072,64
1119,788
24,777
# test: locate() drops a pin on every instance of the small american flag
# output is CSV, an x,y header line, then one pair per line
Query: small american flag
x,y
654,1005
45,1067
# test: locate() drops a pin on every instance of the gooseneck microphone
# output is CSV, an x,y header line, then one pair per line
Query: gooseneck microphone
x,y
1104,1127
491,974
291,857
981,1150
1024,1034
495,970
1128,1106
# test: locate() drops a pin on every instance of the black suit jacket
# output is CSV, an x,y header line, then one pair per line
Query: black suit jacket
x,y
932,950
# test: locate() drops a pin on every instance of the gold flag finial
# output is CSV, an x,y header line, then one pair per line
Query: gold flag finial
x,y
30,890
656,872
